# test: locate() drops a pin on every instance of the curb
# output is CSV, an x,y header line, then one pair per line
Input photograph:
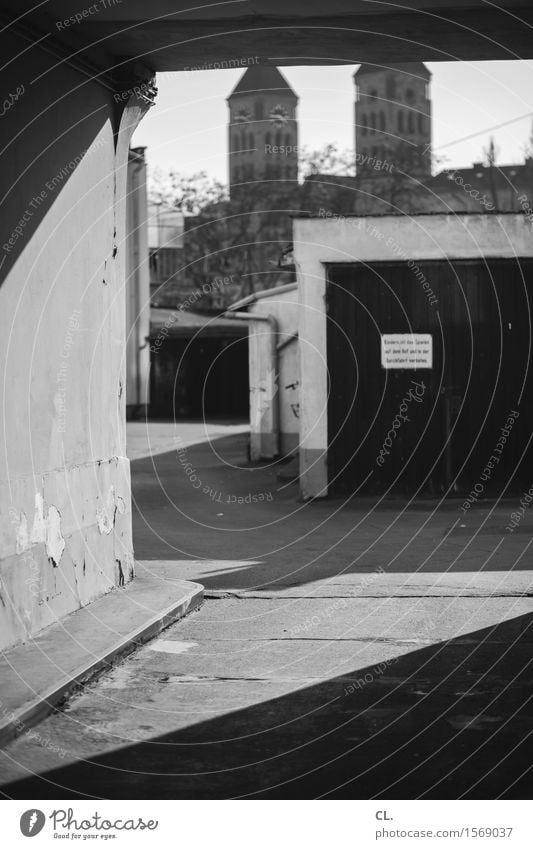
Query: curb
x,y
35,710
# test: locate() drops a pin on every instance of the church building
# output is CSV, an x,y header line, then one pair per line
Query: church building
x,y
393,116
263,129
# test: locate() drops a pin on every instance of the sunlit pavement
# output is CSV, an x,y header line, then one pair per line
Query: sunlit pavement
x,y
343,650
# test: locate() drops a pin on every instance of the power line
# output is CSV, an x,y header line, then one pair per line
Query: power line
x,y
486,130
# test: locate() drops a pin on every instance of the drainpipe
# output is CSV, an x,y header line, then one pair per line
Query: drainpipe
x,y
273,322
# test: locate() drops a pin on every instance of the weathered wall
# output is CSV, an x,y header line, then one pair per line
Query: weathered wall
x,y
137,288
65,532
280,388
318,241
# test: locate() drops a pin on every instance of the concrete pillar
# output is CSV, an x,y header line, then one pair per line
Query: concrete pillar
x,y
137,288
65,528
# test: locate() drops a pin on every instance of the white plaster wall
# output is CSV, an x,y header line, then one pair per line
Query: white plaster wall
x,y
318,241
137,288
264,387
65,528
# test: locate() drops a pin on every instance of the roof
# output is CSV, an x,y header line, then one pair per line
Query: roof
x,y
265,293
453,214
481,170
178,323
261,78
415,69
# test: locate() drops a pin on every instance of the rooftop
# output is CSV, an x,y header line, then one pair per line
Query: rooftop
x,y
262,78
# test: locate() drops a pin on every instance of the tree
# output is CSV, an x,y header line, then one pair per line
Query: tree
x,y
491,154
188,192
528,147
242,238
327,160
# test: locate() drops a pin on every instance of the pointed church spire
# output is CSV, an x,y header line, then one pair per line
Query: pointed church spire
x,y
263,129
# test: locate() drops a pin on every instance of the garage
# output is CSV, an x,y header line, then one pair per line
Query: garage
x,y
421,392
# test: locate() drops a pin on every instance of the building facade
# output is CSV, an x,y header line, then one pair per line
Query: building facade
x,y
262,130
393,118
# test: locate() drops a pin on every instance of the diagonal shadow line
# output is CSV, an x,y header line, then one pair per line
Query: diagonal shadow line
x,y
365,734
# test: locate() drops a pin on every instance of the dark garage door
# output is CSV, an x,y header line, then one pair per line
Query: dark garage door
x,y
405,428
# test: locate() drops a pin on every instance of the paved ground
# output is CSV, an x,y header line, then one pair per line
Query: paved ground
x,y
344,650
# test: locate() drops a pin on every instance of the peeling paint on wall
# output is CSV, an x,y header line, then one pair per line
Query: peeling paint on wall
x,y
55,544
38,531
22,534
105,515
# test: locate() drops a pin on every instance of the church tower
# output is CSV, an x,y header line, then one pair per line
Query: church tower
x,y
393,118
263,129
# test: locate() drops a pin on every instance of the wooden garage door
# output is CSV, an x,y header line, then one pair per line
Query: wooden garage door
x,y
409,428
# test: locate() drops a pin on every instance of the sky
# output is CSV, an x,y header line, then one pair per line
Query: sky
x,y
187,128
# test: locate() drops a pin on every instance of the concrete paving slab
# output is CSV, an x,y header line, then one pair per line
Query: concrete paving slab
x,y
299,677
380,584
414,621
147,439
395,730
39,674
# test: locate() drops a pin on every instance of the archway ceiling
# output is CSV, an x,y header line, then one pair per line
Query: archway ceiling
x,y
171,35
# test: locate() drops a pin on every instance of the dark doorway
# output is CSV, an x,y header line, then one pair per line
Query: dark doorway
x,y
435,429
200,378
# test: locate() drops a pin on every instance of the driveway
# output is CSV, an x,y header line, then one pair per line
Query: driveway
x,y
344,650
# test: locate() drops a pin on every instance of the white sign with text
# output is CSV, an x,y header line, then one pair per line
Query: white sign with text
x,y
407,350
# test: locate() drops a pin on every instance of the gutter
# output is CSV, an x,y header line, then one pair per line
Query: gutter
x,y
274,328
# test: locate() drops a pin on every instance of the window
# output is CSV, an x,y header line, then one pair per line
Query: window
x,y
287,140
259,110
382,120
364,124
409,95
236,146
400,121
373,94
372,122
243,140
410,123
268,139
421,124
251,141
236,175
288,173
278,139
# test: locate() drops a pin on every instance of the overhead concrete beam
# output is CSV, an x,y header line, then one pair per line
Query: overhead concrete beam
x,y
174,36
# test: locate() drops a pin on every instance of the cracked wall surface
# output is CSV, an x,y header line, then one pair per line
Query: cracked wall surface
x,y
65,504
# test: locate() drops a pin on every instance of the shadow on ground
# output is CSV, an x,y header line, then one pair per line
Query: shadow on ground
x,y
288,543
449,721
